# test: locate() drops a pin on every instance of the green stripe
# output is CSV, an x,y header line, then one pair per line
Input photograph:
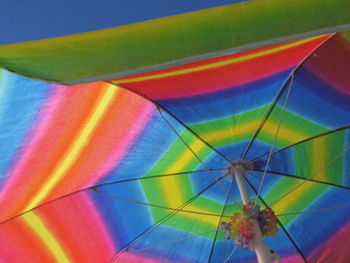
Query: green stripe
x,y
286,184
290,121
335,146
156,193
227,124
172,38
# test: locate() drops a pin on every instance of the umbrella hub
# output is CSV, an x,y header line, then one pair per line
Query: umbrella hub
x,y
242,166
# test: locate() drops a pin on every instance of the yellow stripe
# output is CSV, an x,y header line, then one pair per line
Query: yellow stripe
x,y
288,135
269,128
39,228
217,136
318,160
80,142
218,64
212,220
292,199
171,186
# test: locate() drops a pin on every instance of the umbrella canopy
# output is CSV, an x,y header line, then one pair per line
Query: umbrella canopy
x,y
134,166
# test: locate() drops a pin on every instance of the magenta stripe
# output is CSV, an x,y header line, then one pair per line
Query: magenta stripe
x,y
94,216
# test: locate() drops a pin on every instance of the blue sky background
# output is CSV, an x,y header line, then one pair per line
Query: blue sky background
x,y
25,20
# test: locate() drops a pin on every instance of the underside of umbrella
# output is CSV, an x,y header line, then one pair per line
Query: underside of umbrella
x,y
172,139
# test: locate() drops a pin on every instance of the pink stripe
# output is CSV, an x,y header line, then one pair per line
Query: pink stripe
x,y
38,132
26,155
94,216
335,250
124,145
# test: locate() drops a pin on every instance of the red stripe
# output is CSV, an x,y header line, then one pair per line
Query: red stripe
x,y
109,134
71,221
220,78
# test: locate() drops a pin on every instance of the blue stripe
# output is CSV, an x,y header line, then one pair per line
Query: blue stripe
x,y
346,159
316,101
154,141
21,100
226,103
122,218
323,230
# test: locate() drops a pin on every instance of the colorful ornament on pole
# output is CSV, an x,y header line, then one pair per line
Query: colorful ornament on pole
x,y
240,228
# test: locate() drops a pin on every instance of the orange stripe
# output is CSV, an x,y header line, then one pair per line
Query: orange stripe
x,y
105,140
79,142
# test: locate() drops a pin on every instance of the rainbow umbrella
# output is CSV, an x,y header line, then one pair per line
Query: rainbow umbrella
x,y
144,142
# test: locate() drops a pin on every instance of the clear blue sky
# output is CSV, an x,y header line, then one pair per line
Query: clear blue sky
x,y
24,20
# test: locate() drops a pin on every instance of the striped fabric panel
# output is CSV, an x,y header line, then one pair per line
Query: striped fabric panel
x,y
243,84
75,137
307,158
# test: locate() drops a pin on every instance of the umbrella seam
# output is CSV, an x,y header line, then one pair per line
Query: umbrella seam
x,y
302,178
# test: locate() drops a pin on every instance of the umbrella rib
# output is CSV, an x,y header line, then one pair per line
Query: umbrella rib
x,y
315,210
301,178
172,241
159,106
197,157
157,176
191,131
305,140
312,175
227,192
218,226
267,115
276,135
281,225
182,139
231,254
152,205
98,185
162,221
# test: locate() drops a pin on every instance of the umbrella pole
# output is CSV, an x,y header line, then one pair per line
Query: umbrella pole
x,y
263,253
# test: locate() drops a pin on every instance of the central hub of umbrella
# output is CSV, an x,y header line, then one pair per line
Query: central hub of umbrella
x,y
240,164
240,227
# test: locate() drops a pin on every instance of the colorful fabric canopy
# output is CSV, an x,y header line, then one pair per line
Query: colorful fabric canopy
x,y
134,168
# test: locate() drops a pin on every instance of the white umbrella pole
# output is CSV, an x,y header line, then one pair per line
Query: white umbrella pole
x,y
262,251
